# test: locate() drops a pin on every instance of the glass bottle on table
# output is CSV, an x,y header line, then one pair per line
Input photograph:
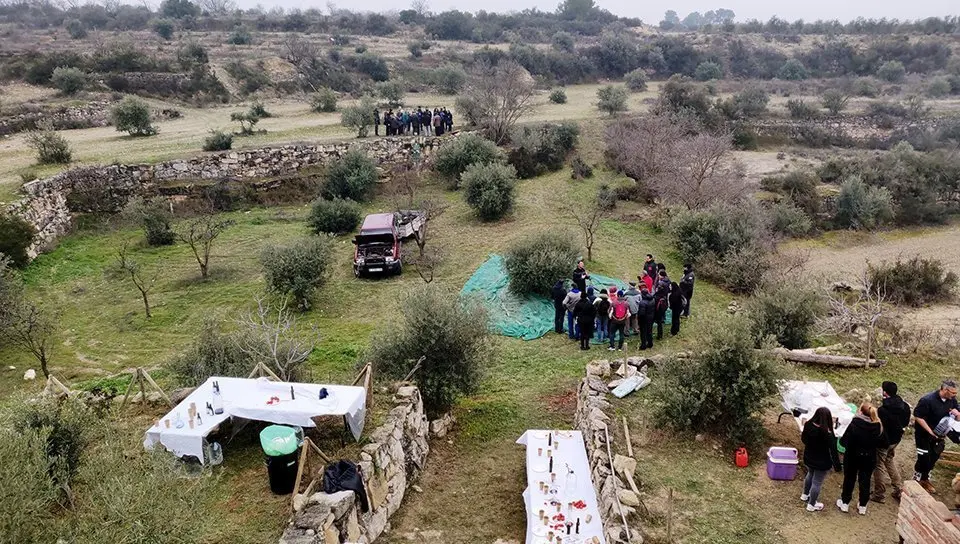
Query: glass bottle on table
x,y
217,399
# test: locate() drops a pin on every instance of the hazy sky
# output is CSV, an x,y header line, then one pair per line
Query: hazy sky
x,y
652,12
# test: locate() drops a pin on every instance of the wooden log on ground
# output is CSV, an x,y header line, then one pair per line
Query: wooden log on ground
x,y
806,357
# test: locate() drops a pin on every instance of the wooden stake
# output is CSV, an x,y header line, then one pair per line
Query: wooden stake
x,y
126,395
670,515
301,464
626,433
153,384
262,369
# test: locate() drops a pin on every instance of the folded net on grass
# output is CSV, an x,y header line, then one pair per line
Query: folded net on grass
x,y
527,317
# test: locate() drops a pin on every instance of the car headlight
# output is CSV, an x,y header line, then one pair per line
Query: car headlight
x,y
359,260
390,259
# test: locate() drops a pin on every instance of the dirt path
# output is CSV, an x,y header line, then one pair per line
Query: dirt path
x,y
843,257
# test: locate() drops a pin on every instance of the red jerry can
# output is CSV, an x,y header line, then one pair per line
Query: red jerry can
x,y
741,459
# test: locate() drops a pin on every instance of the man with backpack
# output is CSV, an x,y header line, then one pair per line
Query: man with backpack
x,y
894,416
619,315
661,295
633,303
686,287
603,315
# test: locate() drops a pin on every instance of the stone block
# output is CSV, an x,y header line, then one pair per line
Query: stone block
x,y
335,503
353,526
312,517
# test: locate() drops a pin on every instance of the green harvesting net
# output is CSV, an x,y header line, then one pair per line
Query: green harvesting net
x,y
520,317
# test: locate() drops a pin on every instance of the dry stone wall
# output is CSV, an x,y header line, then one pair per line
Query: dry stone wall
x,y
29,117
922,519
45,203
594,414
391,462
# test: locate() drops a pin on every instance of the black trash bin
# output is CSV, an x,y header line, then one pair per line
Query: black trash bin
x,y
281,445
282,471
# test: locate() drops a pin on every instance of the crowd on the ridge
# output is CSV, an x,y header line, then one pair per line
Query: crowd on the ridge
x,y
422,121
610,313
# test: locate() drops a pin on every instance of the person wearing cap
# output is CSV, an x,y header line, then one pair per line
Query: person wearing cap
x,y
930,410
894,416
558,293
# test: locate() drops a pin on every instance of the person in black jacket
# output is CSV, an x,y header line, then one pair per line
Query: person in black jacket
x,y
585,313
376,122
819,455
930,409
686,287
580,277
894,416
661,295
650,267
861,440
676,308
558,293
646,315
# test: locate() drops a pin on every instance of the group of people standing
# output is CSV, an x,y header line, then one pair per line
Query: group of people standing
x,y
608,312
870,443
422,121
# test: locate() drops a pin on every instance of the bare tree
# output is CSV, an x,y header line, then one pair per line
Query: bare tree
x,y
850,312
217,7
27,326
496,97
588,219
639,147
199,234
405,192
422,7
699,171
142,280
428,261
274,337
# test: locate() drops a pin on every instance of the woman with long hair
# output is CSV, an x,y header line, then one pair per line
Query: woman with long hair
x,y
819,455
861,440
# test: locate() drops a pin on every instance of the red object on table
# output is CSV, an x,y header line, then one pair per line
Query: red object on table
x,y
741,459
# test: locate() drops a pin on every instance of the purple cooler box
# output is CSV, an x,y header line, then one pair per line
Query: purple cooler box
x,y
782,463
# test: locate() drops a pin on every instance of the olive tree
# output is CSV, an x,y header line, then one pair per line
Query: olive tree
x,y
359,117
200,233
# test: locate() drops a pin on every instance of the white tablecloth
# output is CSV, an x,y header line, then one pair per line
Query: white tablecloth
x,y
812,395
247,399
572,453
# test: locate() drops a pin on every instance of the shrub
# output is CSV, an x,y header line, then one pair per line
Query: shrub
x,y
834,100
359,117
682,95
325,101
212,353
914,282
799,109
788,219
391,91
452,336
66,427
337,216
542,148
636,80
581,170
748,103
892,71
721,389
786,312
29,491
164,28
612,99
351,177
76,29
792,70
488,189
16,235
800,187
132,115
606,197
729,244
259,110
297,269
218,141
861,206
449,78
68,80
416,49
453,158
154,218
374,66
536,262
247,121
240,36
51,147
558,96
937,88
708,70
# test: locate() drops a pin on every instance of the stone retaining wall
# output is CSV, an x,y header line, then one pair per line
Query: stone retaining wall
x,y
45,203
922,519
91,114
594,414
391,461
